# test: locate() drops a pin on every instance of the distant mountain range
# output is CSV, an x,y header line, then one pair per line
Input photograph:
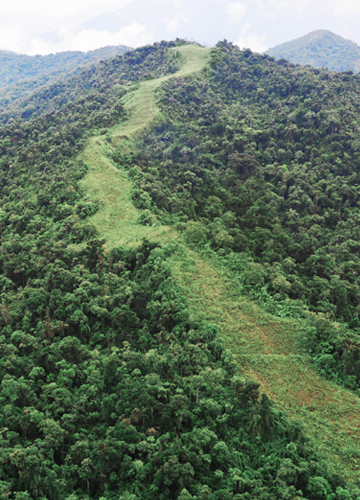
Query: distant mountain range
x,y
21,74
17,67
321,49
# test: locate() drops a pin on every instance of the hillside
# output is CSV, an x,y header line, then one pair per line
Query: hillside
x,y
108,78
21,75
320,49
268,349
131,368
17,67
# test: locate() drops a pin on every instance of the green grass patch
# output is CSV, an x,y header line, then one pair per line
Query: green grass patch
x,y
117,219
268,352
266,347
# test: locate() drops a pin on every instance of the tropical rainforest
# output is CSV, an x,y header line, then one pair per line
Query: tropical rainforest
x,y
18,67
180,236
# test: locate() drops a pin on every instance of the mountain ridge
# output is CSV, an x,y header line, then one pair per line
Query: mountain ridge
x,y
268,348
241,174
320,49
22,75
16,67
203,282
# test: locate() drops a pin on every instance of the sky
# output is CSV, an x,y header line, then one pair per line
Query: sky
x,y
48,26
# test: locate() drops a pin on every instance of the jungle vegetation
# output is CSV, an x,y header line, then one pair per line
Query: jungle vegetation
x,y
106,76
261,160
18,67
111,388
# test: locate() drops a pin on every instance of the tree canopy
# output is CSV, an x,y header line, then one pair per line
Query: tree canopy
x,y
111,388
264,157
321,49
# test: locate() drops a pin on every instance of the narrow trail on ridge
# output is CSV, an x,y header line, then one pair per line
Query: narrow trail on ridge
x,y
117,217
266,346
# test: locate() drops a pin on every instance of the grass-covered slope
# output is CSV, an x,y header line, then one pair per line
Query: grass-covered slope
x,y
267,349
117,217
261,160
321,49
25,102
113,387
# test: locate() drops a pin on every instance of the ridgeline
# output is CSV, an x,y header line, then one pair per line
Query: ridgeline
x,y
267,348
178,244
320,49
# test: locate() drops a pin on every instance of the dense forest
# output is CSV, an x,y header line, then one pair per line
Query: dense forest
x,y
21,74
104,78
110,388
261,160
321,49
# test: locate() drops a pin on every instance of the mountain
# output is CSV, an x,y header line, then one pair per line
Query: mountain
x,y
17,67
180,281
320,49
109,75
21,75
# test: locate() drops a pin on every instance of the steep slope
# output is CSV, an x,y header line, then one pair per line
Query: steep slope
x,y
267,348
26,103
111,385
320,49
260,160
118,218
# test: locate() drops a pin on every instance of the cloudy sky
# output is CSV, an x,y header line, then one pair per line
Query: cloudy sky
x,y
46,26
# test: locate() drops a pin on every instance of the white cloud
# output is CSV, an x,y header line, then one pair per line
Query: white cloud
x,y
12,38
345,7
299,7
22,21
173,23
132,35
60,9
235,11
347,31
22,24
27,25
249,40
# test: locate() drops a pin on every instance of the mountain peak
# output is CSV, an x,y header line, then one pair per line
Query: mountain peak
x,y
321,49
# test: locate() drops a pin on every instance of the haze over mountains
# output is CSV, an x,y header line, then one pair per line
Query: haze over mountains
x,y
22,76
16,67
320,49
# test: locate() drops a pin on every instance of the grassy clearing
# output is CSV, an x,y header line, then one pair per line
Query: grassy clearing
x,y
268,352
117,217
265,346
